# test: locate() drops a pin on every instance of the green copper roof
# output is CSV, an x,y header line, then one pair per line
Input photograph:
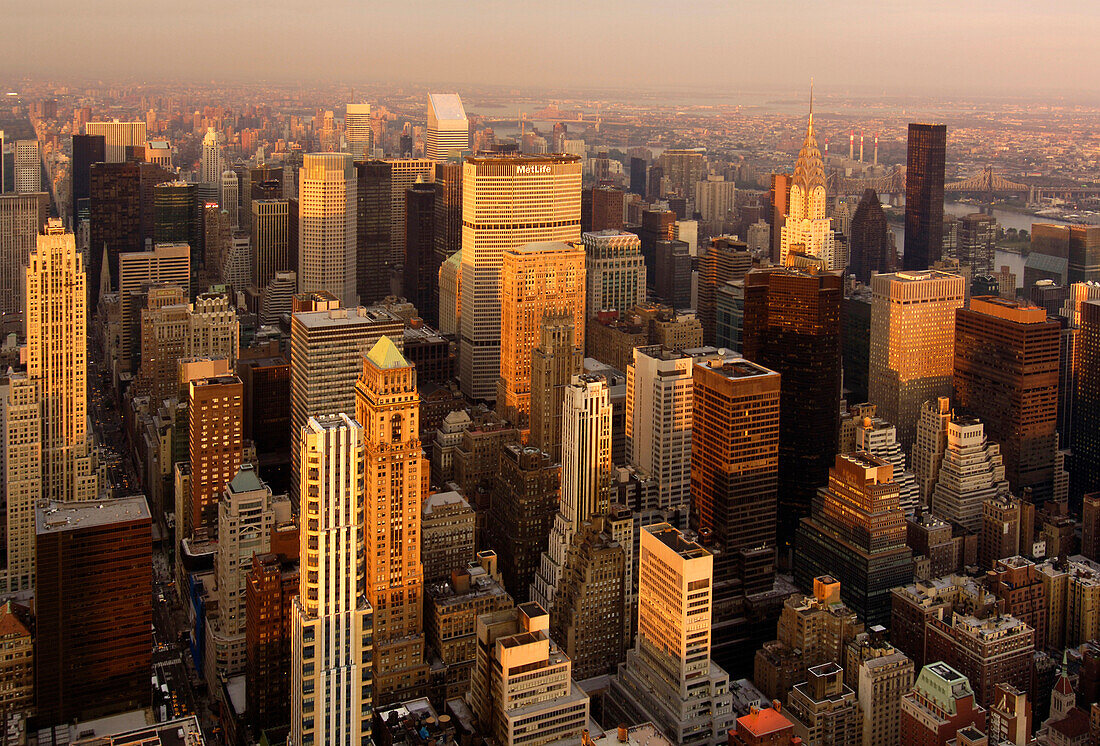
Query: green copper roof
x,y
385,355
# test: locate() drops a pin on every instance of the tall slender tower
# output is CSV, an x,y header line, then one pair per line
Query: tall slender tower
x,y
387,403
21,472
326,226
213,162
331,687
924,195
22,217
56,325
507,201
807,228
357,130
448,133
554,362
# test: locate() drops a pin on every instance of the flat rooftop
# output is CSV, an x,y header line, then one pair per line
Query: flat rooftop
x,y
346,317
674,539
518,158
54,517
736,367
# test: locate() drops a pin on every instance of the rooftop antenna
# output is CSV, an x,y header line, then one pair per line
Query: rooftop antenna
x,y
811,100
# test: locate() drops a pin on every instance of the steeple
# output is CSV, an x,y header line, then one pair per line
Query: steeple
x,y
809,170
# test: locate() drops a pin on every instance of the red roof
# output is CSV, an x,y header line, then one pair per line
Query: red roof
x,y
764,722
1063,686
1073,725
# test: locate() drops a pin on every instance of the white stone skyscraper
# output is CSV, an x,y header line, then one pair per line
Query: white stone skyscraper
x,y
213,162
357,133
28,166
971,472
615,271
56,323
508,201
880,438
585,475
808,229
326,226
331,647
20,477
230,199
448,134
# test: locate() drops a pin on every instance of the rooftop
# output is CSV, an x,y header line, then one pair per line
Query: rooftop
x,y
386,356
346,317
521,159
447,106
674,539
53,517
246,480
735,367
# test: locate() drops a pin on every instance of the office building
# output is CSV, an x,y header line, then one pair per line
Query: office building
x,y
176,217
327,226
638,176
1000,534
940,705
216,440
792,326
1006,374
1010,716
448,133
159,152
879,438
615,271
17,668
657,225
601,209
94,563
977,241
327,346
672,270
883,679
357,132
521,688
229,197
274,227
912,344
331,695
927,147
21,471
870,250
659,388
807,229
669,677
585,476
525,500
715,201
683,168
421,272
374,226
987,650
271,587
448,210
1068,253
447,535
404,173
1085,423
166,264
22,217
729,317
508,201
56,356
554,362
276,300
536,281
823,709
387,402
856,533
971,471
212,164
87,149
28,167
117,136
725,260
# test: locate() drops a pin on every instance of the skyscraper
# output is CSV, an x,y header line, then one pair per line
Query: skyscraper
x,y
404,173
117,136
213,161
869,247
792,326
22,216
327,225
977,240
448,210
230,197
56,324
601,209
176,216
912,343
357,132
87,149
725,260
374,203
274,226
167,263
448,134
21,472
1086,401
387,402
970,472
216,441
668,676
924,195
421,272
331,684
807,228
614,271
554,362
28,167
1006,374
856,533
536,281
508,202
638,176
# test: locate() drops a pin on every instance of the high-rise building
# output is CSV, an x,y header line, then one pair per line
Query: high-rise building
x,y
930,444
971,471
213,160
166,264
807,228
87,149
93,608
447,535
912,343
421,272
615,271
638,176
448,210
327,346
387,402
792,326
230,197
924,195
659,388
508,202
331,695
716,203
554,362
1000,534
404,173
17,669
940,705
448,133
374,204
117,136
1010,716
28,167
327,226
176,216
521,688
823,709
525,501
988,651
56,326
869,247
274,226
668,676
672,270
879,438
216,446
683,168
22,217
977,240
1086,401
1006,374
725,260
856,533
536,281
21,471
357,131
882,680
272,586
585,476
601,209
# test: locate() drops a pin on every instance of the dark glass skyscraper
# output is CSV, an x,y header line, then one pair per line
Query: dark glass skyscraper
x,y
372,243
924,195
87,149
420,282
448,210
637,176
792,326
177,216
869,246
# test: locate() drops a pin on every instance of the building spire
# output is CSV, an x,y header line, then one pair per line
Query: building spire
x,y
809,170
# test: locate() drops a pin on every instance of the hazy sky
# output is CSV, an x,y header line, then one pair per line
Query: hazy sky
x,y
1001,46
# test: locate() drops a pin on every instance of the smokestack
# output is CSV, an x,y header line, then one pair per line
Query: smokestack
x,y
826,147
851,144
876,148
861,146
